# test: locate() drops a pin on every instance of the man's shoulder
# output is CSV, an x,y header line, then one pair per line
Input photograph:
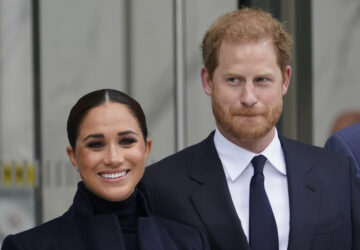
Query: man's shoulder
x,y
295,144
174,226
308,151
183,157
350,133
353,129
182,234
346,141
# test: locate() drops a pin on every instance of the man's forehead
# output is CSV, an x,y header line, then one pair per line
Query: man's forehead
x,y
226,53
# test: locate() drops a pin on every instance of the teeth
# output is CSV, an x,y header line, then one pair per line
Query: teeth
x,y
114,175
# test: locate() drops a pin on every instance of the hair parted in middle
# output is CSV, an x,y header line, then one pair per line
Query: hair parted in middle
x,y
245,25
95,99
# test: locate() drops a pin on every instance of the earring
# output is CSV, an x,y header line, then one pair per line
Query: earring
x,y
76,168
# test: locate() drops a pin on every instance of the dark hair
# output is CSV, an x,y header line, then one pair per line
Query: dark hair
x,y
96,98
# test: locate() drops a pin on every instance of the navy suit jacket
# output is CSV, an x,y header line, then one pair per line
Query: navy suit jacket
x,y
324,195
347,141
80,229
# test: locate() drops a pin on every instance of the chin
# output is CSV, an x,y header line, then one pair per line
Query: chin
x,y
249,132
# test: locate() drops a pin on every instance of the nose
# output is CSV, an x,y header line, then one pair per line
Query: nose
x,y
113,157
248,96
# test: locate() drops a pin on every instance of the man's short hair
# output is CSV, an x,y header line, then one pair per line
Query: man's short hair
x,y
245,25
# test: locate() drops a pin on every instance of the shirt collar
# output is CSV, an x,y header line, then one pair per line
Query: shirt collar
x,y
236,159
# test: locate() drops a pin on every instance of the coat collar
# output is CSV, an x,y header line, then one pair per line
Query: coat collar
x,y
104,231
83,204
212,199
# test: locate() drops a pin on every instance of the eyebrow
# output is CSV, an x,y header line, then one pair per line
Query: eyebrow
x,y
267,74
126,132
94,136
264,73
101,136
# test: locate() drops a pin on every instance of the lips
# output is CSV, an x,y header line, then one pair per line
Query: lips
x,y
114,175
249,113
259,111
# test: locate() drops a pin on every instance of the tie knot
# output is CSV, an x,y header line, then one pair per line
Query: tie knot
x,y
258,162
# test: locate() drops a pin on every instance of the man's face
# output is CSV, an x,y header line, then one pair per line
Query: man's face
x,y
246,90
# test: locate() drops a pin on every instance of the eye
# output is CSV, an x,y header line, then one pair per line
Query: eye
x,y
233,80
95,144
127,141
262,80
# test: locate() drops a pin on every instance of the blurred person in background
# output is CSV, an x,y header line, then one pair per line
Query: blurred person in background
x,y
347,141
344,120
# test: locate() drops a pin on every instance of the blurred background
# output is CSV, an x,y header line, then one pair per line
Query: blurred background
x,y
54,51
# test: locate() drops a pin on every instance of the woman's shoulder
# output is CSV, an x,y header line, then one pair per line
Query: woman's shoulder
x,y
39,235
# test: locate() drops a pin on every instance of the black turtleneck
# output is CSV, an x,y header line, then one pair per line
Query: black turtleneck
x,y
127,211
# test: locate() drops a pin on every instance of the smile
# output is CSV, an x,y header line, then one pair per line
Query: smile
x,y
113,175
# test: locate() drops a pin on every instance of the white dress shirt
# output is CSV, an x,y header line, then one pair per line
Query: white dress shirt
x,y
238,169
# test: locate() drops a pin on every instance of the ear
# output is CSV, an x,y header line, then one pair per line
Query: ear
x,y
148,147
286,80
71,155
206,81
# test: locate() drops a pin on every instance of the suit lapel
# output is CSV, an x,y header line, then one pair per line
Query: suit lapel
x,y
212,199
304,194
150,236
213,202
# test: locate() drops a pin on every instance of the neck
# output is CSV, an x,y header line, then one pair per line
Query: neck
x,y
253,145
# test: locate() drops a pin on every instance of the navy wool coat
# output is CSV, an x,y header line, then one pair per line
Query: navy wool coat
x,y
80,229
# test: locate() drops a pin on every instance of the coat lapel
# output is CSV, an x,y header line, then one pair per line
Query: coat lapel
x,y
102,232
96,231
304,194
212,199
105,233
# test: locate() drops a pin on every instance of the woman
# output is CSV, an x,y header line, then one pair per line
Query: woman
x,y
108,146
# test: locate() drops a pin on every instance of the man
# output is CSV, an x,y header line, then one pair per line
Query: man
x,y
309,198
347,141
344,120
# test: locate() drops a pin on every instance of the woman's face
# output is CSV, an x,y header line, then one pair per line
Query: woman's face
x,y
110,151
